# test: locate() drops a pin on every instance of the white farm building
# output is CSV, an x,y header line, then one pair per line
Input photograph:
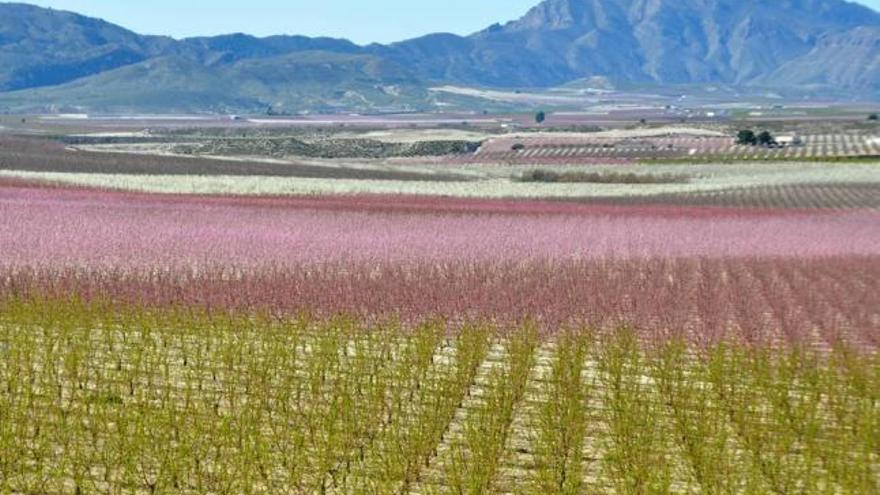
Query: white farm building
x,y
789,140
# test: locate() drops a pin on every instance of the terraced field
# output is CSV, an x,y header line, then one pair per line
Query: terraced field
x,y
584,149
98,399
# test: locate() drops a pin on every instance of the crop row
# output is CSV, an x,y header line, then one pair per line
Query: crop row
x,y
797,196
774,301
586,150
101,400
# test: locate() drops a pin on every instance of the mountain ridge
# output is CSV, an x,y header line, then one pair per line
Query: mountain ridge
x,y
65,59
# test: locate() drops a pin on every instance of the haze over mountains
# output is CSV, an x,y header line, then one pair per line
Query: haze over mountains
x,y
54,60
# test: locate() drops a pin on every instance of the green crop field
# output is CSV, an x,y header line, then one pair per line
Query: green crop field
x,y
102,399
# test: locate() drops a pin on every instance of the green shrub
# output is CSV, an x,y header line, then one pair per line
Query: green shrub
x,y
541,175
746,137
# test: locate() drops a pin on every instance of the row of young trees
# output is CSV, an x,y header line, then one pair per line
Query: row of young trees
x,y
102,399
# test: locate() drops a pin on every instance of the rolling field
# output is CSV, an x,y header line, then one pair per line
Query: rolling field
x,y
718,337
43,155
709,181
476,182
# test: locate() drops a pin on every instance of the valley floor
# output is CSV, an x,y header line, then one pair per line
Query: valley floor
x,y
175,325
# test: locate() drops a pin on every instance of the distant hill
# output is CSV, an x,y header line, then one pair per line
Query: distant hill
x,y
54,60
659,41
313,80
850,59
42,47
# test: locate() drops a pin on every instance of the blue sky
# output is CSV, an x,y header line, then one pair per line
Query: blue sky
x,y
362,21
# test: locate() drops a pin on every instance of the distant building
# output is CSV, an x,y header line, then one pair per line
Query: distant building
x,y
789,140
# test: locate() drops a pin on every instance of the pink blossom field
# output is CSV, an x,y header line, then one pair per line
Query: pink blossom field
x,y
708,273
80,228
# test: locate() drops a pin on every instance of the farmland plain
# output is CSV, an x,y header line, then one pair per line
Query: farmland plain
x,y
434,324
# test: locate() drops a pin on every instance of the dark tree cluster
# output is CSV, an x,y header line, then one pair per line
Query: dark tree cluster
x,y
750,138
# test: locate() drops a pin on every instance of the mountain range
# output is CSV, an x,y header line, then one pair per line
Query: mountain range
x,y
53,60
